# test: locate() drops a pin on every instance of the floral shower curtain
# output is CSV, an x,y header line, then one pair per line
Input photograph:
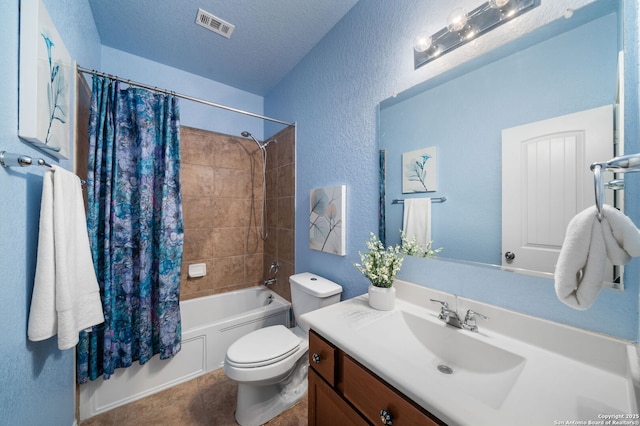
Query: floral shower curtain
x,y
135,228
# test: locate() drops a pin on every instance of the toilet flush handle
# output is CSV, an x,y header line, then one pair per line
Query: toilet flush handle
x,y
316,358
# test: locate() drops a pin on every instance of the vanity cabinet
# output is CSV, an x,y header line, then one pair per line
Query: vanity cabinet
x,y
343,392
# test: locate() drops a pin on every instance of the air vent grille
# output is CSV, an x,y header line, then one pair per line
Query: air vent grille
x,y
213,23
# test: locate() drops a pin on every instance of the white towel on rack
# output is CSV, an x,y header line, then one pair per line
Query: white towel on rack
x,y
580,271
66,296
417,219
621,236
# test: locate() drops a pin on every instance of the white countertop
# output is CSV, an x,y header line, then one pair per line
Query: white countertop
x,y
569,375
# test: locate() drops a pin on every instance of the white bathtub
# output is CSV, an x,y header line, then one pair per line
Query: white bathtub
x,y
209,326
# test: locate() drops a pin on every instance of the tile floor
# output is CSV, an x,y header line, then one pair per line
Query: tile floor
x,y
206,400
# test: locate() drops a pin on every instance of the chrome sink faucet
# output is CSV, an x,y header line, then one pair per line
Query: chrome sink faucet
x,y
450,317
447,315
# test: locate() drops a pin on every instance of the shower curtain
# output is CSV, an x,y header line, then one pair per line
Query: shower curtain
x,y
135,227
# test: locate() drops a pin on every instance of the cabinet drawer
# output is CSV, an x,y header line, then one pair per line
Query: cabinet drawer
x,y
369,395
322,357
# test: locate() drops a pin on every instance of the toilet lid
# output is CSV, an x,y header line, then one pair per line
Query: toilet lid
x,y
263,346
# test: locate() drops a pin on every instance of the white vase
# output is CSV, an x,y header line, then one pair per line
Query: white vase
x,y
382,298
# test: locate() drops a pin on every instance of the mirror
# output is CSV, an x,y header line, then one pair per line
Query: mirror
x,y
567,66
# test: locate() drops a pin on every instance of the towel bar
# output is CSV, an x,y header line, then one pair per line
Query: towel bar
x,y
433,200
9,159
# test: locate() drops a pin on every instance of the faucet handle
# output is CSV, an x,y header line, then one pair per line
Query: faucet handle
x,y
444,310
471,314
445,305
470,320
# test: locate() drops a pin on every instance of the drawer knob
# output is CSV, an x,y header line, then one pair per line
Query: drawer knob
x,y
316,358
385,417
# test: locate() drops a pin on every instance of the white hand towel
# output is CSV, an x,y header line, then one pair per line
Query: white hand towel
x,y
580,271
417,220
66,295
621,236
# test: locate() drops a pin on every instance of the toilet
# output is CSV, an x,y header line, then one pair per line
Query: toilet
x,y
271,364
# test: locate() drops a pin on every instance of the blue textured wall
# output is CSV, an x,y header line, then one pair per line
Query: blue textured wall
x,y
333,95
192,114
37,380
632,134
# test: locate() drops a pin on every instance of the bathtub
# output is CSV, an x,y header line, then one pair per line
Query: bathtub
x,y
209,326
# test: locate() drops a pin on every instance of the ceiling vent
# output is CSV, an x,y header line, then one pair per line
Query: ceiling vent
x,y
213,23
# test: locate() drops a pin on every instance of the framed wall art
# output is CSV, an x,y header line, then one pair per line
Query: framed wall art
x,y
419,171
46,80
327,219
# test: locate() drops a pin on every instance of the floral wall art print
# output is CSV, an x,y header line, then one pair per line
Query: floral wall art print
x,y
419,171
327,219
46,79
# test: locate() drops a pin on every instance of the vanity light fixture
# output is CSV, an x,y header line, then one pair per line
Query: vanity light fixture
x,y
463,26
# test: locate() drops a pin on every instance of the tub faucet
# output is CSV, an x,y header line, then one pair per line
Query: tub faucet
x,y
447,315
273,273
270,281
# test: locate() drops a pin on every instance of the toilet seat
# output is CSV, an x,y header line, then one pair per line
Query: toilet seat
x,y
263,347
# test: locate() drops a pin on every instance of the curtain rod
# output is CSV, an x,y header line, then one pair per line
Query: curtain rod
x,y
179,95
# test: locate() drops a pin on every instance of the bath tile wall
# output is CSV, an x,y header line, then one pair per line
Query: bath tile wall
x,y
220,214
281,208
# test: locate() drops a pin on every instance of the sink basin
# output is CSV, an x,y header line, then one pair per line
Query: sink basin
x,y
447,356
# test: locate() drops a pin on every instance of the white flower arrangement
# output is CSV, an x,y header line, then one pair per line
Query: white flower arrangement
x,y
381,264
410,247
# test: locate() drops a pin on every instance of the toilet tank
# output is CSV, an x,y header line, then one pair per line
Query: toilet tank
x,y
310,292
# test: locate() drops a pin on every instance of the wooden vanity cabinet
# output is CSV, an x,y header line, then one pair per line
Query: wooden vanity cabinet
x,y
326,406
343,392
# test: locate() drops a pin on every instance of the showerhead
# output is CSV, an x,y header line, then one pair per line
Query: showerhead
x,y
261,145
246,134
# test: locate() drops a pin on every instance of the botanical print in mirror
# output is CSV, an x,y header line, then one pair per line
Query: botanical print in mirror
x,y
419,171
327,219
46,79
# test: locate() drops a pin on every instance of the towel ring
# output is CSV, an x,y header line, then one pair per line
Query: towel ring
x,y
625,163
598,187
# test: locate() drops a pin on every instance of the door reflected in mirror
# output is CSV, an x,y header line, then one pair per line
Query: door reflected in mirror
x,y
545,183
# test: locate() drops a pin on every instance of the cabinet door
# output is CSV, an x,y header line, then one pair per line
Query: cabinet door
x,y
370,395
327,408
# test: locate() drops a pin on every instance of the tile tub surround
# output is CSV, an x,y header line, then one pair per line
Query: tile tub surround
x,y
216,196
568,373
281,183
221,219
206,400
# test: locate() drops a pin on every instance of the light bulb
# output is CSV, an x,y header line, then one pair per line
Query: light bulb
x,y
497,4
457,19
422,43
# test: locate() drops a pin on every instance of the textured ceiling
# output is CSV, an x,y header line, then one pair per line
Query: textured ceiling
x,y
270,36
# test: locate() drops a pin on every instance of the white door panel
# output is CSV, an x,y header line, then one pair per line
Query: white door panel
x,y
546,181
